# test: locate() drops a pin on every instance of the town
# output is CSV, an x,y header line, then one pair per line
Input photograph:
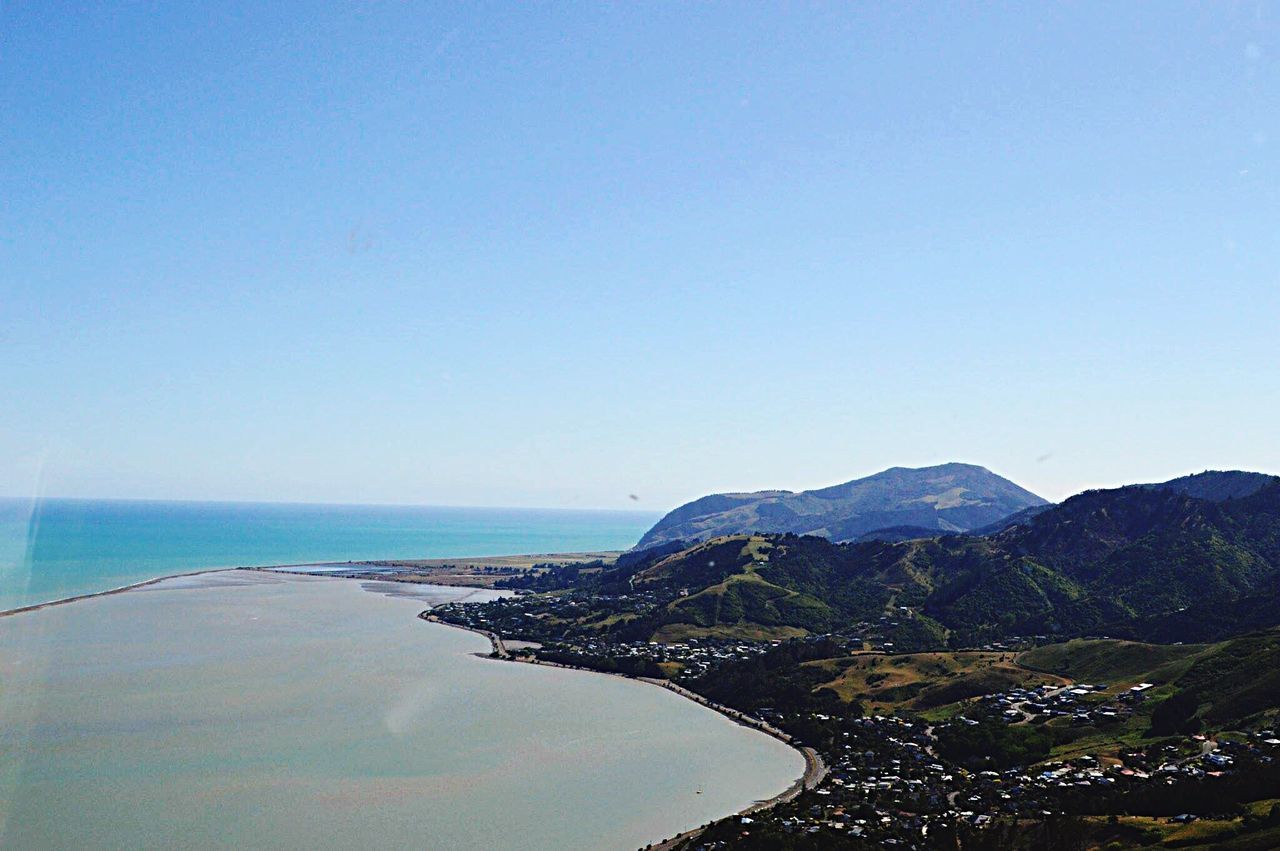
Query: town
x,y
900,778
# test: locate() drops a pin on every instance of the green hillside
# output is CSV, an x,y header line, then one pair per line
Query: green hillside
x,y
1127,562
1219,686
1105,660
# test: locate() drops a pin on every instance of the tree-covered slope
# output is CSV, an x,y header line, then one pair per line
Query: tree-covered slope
x,y
1131,562
1218,485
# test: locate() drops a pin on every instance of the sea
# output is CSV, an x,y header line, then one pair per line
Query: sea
x,y
251,709
233,709
56,548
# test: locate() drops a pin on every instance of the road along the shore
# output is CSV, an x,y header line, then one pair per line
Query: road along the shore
x,y
815,769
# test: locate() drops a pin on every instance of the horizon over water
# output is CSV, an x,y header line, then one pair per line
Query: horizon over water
x,y
52,548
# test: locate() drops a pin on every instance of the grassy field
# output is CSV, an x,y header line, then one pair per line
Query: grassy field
x,y
925,681
939,685
611,620
674,633
1233,834
1111,661
670,669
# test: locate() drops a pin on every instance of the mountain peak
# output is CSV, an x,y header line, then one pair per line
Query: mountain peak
x,y
952,497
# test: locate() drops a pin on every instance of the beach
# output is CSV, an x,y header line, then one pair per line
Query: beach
x,y
469,571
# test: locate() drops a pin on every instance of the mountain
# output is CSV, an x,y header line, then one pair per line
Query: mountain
x,y
1213,485
945,498
1137,562
1217,485
1017,518
897,533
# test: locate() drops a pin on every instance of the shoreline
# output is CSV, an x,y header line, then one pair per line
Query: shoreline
x,y
62,601
470,571
89,595
352,566
815,769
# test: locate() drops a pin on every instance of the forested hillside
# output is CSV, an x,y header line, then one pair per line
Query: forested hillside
x,y
1139,562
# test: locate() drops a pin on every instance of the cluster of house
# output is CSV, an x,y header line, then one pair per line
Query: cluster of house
x,y
1192,759
552,621
538,617
887,786
697,656
1083,703
694,656
578,614
884,785
1199,756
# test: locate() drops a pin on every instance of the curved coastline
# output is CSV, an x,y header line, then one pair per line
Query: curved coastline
x,y
815,769
814,772
122,589
62,601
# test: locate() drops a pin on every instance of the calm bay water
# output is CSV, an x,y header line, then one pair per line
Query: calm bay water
x,y
250,709
247,709
57,548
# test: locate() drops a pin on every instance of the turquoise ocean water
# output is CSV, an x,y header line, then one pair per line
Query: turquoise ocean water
x,y
56,548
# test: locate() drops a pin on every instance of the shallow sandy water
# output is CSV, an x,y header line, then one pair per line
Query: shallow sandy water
x,y
246,709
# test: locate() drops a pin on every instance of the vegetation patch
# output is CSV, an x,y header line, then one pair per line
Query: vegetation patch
x,y
1107,660
675,633
922,681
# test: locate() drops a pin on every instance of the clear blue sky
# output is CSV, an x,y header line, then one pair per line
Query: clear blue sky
x,y
555,255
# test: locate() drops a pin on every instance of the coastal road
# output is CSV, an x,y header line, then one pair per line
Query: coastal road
x,y
495,640
815,768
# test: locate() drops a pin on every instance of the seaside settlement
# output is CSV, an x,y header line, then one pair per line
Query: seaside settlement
x,y
976,772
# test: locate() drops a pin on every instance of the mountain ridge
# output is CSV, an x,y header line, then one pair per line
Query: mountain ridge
x,y
952,497
1142,562
1217,485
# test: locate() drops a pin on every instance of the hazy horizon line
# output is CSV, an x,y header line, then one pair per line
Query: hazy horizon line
x,y
567,508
